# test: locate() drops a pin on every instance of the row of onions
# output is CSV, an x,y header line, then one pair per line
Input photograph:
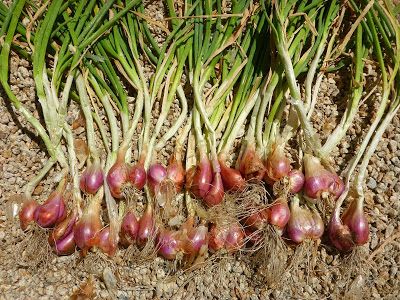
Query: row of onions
x,y
248,172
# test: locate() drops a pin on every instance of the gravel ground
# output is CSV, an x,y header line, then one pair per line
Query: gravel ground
x,y
22,155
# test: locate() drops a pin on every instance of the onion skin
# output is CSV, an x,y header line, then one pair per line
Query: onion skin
x,y
257,219
129,229
234,240
340,235
197,238
319,181
66,245
51,211
62,229
201,182
146,226
277,164
137,176
296,181
87,229
176,173
91,179
231,178
354,218
27,213
156,174
117,177
216,193
217,237
251,165
300,223
105,244
169,243
279,213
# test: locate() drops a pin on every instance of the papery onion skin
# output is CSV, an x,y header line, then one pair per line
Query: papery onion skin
x,y
129,229
217,237
231,178
105,244
63,228
91,179
197,238
251,165
277,165
176,173
146,226
201,181
66,245
257,219
279,213
87,229
215,194
340,235
319,181
117,177
169,243
354,218
234,240
300,224
51,211
296,181
27,213
137,176
156,174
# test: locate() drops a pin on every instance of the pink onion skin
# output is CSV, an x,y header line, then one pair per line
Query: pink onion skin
x,y
66,245
231,178
27,213
105,244
279,213
277,164
340,235
137,176
87,229
251,165
176,173
91,179
146,226
354,218
296,181
201,181
217,237
318,180
257,219
129,229
197,238
63,229
318,227
51,211
300,224
234,240
169,243
216,193
156,174
117,177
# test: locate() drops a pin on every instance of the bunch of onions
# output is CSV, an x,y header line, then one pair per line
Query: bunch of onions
x,y
87,229
351,230
304,223
121,176
319,182
92,178
52,211
61,238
